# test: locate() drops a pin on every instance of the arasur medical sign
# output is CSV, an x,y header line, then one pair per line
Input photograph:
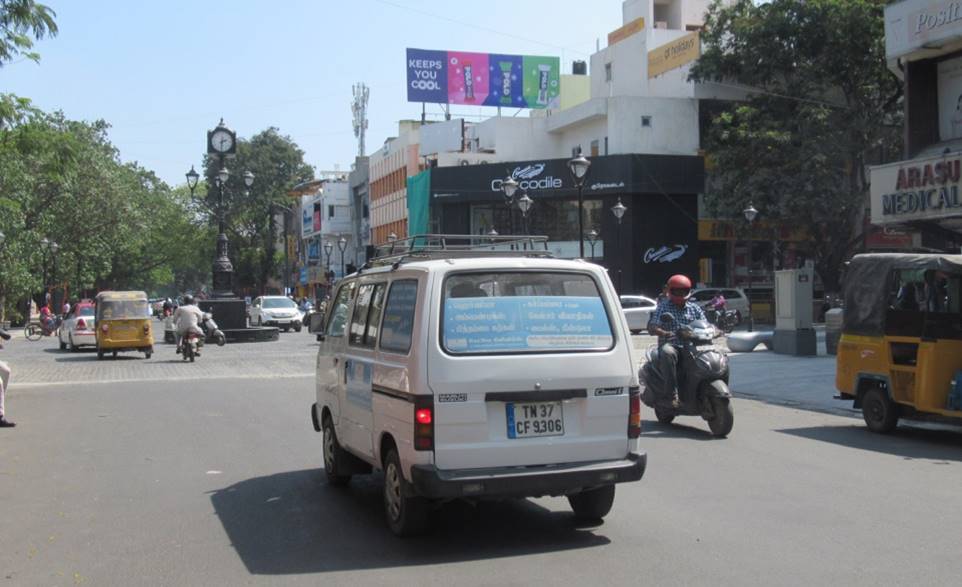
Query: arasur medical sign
x,y
916,190
483,79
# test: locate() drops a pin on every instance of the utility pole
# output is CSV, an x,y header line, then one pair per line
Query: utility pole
x,y
359,110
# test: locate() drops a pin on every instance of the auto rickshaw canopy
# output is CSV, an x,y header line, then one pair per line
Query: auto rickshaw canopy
x,y
122,305
868,283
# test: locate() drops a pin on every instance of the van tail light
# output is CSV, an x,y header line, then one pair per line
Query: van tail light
x,y
104,328
146,328
634,412
424,422
81,325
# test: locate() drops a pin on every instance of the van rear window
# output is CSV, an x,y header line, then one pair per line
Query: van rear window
x,y
524,311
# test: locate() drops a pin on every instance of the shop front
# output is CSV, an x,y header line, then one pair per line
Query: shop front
x,y
657,236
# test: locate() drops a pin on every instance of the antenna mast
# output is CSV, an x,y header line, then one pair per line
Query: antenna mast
x,y
359,110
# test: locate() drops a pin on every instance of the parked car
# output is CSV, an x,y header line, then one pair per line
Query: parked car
x,y
735,297
280,311
637,310
475,378
78,328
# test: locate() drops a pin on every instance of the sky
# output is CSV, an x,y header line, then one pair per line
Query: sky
x,y
162,73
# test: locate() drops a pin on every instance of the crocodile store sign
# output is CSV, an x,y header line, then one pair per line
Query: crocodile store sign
x,y
920,189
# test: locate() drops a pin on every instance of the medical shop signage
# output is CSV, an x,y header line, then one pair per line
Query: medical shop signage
x,y
916,190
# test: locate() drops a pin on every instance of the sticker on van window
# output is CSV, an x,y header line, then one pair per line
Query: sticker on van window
x,y
525,323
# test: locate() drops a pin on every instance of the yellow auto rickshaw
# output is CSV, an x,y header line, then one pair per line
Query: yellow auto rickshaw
x,y
123,323
900,353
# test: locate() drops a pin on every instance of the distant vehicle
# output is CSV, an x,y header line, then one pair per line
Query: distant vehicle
x,y
637,310
735,299
78,328
280,311
156,306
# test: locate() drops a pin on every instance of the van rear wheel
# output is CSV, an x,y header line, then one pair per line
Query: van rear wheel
x,y
879,411
333,457
407,515
593,504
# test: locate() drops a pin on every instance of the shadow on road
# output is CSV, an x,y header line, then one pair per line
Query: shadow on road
x,y
77,357
677,429
294,522
907,442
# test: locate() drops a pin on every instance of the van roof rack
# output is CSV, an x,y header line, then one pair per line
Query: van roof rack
x,y
424,247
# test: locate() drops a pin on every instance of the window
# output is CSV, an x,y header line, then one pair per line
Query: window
x,y
594,148
732,294
398,324
338,315
645,121
517,312
606,145
704,295
367,315
607,72
279,303
366,212
330,211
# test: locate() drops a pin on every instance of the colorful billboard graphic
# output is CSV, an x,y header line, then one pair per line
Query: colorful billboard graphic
x,y
483,79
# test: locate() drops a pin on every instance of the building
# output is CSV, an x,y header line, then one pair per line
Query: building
x,y
916,201
390,166
359,183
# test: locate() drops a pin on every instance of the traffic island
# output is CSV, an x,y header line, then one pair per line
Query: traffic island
x,y
230,314
251,334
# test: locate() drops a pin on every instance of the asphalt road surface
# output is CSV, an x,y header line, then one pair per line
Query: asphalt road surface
x,y
118,476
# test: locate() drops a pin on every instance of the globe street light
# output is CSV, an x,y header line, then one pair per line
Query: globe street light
x,y
579,171
619,210
750,213
509,186
328,249
524,204
341,246
592,239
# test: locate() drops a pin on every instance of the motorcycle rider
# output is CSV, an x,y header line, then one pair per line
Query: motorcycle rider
x,y
187,318
684,311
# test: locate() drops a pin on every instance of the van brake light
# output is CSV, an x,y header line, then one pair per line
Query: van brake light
x,y
424,422
634,412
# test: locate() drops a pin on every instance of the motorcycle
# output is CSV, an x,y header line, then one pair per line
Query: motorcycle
x,y
725,320
702,379
192,342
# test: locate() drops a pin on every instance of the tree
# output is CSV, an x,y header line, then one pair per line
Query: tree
x,y
19,21
823,101
278,165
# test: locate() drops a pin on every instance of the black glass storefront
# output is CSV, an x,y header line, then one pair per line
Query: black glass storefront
x,y
658,236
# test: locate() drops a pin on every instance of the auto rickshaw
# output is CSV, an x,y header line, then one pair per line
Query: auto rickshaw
x,y
123,323
900,353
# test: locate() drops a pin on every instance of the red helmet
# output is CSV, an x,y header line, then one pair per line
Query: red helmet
x,y
679,288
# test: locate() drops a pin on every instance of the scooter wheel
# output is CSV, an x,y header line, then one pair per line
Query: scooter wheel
x,y
664,417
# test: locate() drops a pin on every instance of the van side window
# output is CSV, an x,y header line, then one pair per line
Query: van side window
x,y
338,321
359,322
399,316
374,316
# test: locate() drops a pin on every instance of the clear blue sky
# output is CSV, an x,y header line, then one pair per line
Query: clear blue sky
x,y
162,73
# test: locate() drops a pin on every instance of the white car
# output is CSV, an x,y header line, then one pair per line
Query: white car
x,y
77,329
480,377
280,311
637,310
735,298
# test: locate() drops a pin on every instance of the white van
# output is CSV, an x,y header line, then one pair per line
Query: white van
x,y
473,374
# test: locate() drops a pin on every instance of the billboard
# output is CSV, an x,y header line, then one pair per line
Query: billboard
x,y
483,79
674,54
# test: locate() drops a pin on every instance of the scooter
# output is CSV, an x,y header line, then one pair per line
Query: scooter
x,y
725,320
702,379
192,342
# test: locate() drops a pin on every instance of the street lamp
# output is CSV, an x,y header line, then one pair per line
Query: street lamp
x,y
592,239
192,178
391,238
524,204
750,213
328,249
619,210
509,186
341,246
579,171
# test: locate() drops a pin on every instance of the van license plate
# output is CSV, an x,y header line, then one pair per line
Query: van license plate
x,y
526,420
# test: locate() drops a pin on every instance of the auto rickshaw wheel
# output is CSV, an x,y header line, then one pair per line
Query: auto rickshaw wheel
x,y
115,354
880,412
100,354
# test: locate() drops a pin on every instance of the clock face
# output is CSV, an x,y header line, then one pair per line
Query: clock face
x,y
221,141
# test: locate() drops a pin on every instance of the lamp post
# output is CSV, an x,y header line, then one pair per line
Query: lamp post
x,y
619,210
750,213
192,178
524,204
392,238
341,246
328,249
509,187
592,239
579,171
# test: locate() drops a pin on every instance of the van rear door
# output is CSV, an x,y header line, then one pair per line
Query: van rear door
x,y
533,368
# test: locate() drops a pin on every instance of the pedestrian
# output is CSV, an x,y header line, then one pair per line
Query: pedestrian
x,y
66,307
4,382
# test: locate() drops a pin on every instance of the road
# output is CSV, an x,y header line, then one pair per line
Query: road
x,y
117,475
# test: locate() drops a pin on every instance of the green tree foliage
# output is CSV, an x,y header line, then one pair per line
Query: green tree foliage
x,y
22,21
278,165
118,225
824,103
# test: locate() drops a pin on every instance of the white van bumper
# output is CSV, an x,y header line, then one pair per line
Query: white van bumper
x,y
559,479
